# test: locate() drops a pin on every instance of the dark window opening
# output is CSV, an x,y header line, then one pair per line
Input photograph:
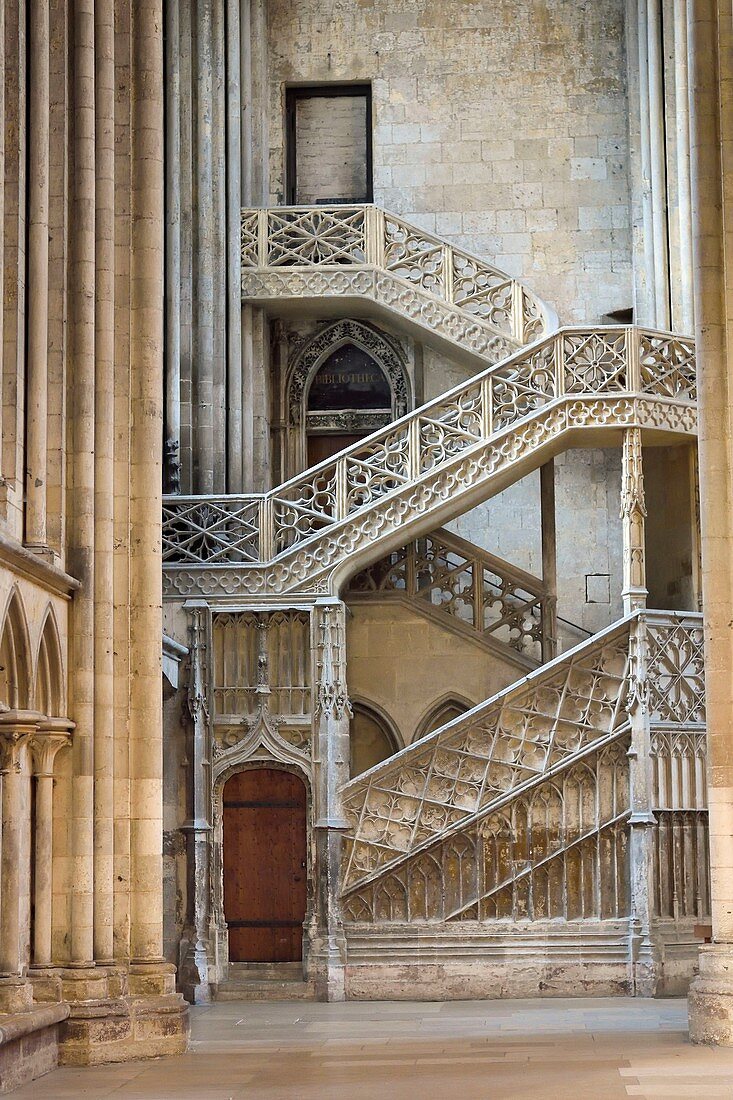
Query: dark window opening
x,y
329,144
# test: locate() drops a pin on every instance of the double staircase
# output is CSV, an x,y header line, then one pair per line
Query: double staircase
x,y
578,792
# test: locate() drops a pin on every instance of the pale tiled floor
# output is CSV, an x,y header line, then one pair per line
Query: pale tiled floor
x,y
459,1050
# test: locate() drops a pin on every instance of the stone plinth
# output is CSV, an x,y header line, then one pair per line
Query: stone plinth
x,y
710,1001
29,1044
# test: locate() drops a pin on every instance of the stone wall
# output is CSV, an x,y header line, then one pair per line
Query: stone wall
x,y
406,664
501,127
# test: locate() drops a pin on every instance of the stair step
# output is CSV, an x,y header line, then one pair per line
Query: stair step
x,y
286,971
269,990
265,981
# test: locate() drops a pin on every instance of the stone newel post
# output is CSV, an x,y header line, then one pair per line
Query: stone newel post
x,y
332,711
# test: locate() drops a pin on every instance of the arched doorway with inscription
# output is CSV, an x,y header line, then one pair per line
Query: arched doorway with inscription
x,y
348,397
265,865
348,380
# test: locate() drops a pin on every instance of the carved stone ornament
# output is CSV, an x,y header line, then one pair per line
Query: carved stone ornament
x,y
382,348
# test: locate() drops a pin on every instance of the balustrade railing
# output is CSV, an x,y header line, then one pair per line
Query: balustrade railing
x,y
468,772
480,594
572,364
366,236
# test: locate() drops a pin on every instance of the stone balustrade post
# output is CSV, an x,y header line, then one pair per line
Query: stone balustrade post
x,y
633,516
642,823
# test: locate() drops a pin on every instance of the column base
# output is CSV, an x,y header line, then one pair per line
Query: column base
x,y
710,1000
16,994
149,1020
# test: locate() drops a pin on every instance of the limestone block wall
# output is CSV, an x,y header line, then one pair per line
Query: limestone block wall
x,y
406,665
589,537
500,126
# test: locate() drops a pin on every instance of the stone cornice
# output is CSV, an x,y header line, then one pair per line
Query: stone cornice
x,y
34,568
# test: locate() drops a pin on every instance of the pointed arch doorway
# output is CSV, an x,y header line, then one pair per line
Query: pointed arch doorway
x,y
264,856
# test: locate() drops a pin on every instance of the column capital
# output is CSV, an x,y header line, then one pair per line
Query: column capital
x,y
16,729
51,735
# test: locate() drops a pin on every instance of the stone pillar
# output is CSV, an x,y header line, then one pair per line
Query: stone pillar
x,y
45,744
16,730
331,714
642,823
633,515
172,471
710,36
146,359
36,471
82,283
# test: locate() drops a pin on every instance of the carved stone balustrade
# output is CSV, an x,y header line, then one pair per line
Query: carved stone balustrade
x,y
523,807
307,535
463,587
362,251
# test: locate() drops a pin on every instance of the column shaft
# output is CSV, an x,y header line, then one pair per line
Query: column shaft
x,y
81,527
36,472
633,516
146,358
549,559
173,250
15,858
104,398
43,867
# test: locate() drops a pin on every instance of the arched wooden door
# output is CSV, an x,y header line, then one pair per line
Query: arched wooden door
x,y
265,878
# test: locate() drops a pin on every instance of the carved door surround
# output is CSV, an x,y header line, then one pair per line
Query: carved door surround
x,y
304,366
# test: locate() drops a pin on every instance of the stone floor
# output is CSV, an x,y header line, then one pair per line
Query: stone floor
x,y
459,1050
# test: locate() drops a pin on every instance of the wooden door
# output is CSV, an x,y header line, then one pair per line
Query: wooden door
x,y
321,447
265,875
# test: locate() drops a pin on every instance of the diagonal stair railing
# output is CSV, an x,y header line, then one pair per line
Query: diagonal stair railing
x,y
477,767
432,464
364,252
465,588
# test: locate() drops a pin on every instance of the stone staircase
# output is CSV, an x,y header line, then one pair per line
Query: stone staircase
x,y
578,387
532,806
576,716
281,981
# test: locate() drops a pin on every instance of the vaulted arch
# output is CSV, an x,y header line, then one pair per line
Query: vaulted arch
x,y
48,688
15,662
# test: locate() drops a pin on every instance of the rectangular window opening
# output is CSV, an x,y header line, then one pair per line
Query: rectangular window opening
x,y
329,144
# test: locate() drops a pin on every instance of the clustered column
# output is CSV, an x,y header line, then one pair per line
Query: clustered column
x,y
28,746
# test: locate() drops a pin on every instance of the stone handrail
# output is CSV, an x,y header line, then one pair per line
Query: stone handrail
x,y
574,379
475,764
461,584
367,237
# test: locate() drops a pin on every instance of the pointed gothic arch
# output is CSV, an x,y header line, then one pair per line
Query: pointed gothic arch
x,y
15,656
48,686
378,348
440,711
373,735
